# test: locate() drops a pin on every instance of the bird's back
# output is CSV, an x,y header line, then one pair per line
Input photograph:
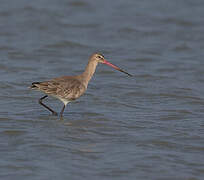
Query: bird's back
x,y
66,87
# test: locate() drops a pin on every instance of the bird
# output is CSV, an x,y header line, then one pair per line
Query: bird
x,y
70,88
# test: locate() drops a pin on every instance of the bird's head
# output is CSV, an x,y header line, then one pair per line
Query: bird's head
x,y
99,58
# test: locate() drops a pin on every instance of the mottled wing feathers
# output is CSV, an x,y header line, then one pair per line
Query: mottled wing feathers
x,y
63,88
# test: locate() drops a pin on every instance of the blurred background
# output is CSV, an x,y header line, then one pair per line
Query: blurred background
x,y
149,126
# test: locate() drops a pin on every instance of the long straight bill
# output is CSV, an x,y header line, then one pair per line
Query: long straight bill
x,y
115,67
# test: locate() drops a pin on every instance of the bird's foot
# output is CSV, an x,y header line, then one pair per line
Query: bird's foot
x,y
54,113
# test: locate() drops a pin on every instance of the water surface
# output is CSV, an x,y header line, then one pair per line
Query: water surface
x,y
146,127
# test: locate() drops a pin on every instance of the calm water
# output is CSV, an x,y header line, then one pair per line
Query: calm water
x,y
146,127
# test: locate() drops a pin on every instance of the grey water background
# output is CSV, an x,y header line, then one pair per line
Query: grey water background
x,y
149,126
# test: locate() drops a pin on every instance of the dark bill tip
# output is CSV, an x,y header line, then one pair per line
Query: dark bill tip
x,y
125,72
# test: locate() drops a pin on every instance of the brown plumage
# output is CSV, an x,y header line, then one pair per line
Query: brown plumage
x,y
67,88
70,88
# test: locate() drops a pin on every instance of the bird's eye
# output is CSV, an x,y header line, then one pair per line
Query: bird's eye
x,y
99,57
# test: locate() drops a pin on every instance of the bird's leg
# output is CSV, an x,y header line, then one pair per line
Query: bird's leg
x,y
40,101
61,113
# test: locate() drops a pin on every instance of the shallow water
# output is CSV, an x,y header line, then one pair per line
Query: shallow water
x,y
146,127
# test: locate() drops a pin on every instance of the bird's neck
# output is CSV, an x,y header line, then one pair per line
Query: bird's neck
x,y
89,71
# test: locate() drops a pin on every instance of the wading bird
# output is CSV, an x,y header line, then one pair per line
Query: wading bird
x,y
70,88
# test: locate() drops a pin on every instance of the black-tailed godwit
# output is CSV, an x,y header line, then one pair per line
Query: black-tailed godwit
x,y
70,88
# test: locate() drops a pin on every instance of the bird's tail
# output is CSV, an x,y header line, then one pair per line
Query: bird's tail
x,y
33,86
